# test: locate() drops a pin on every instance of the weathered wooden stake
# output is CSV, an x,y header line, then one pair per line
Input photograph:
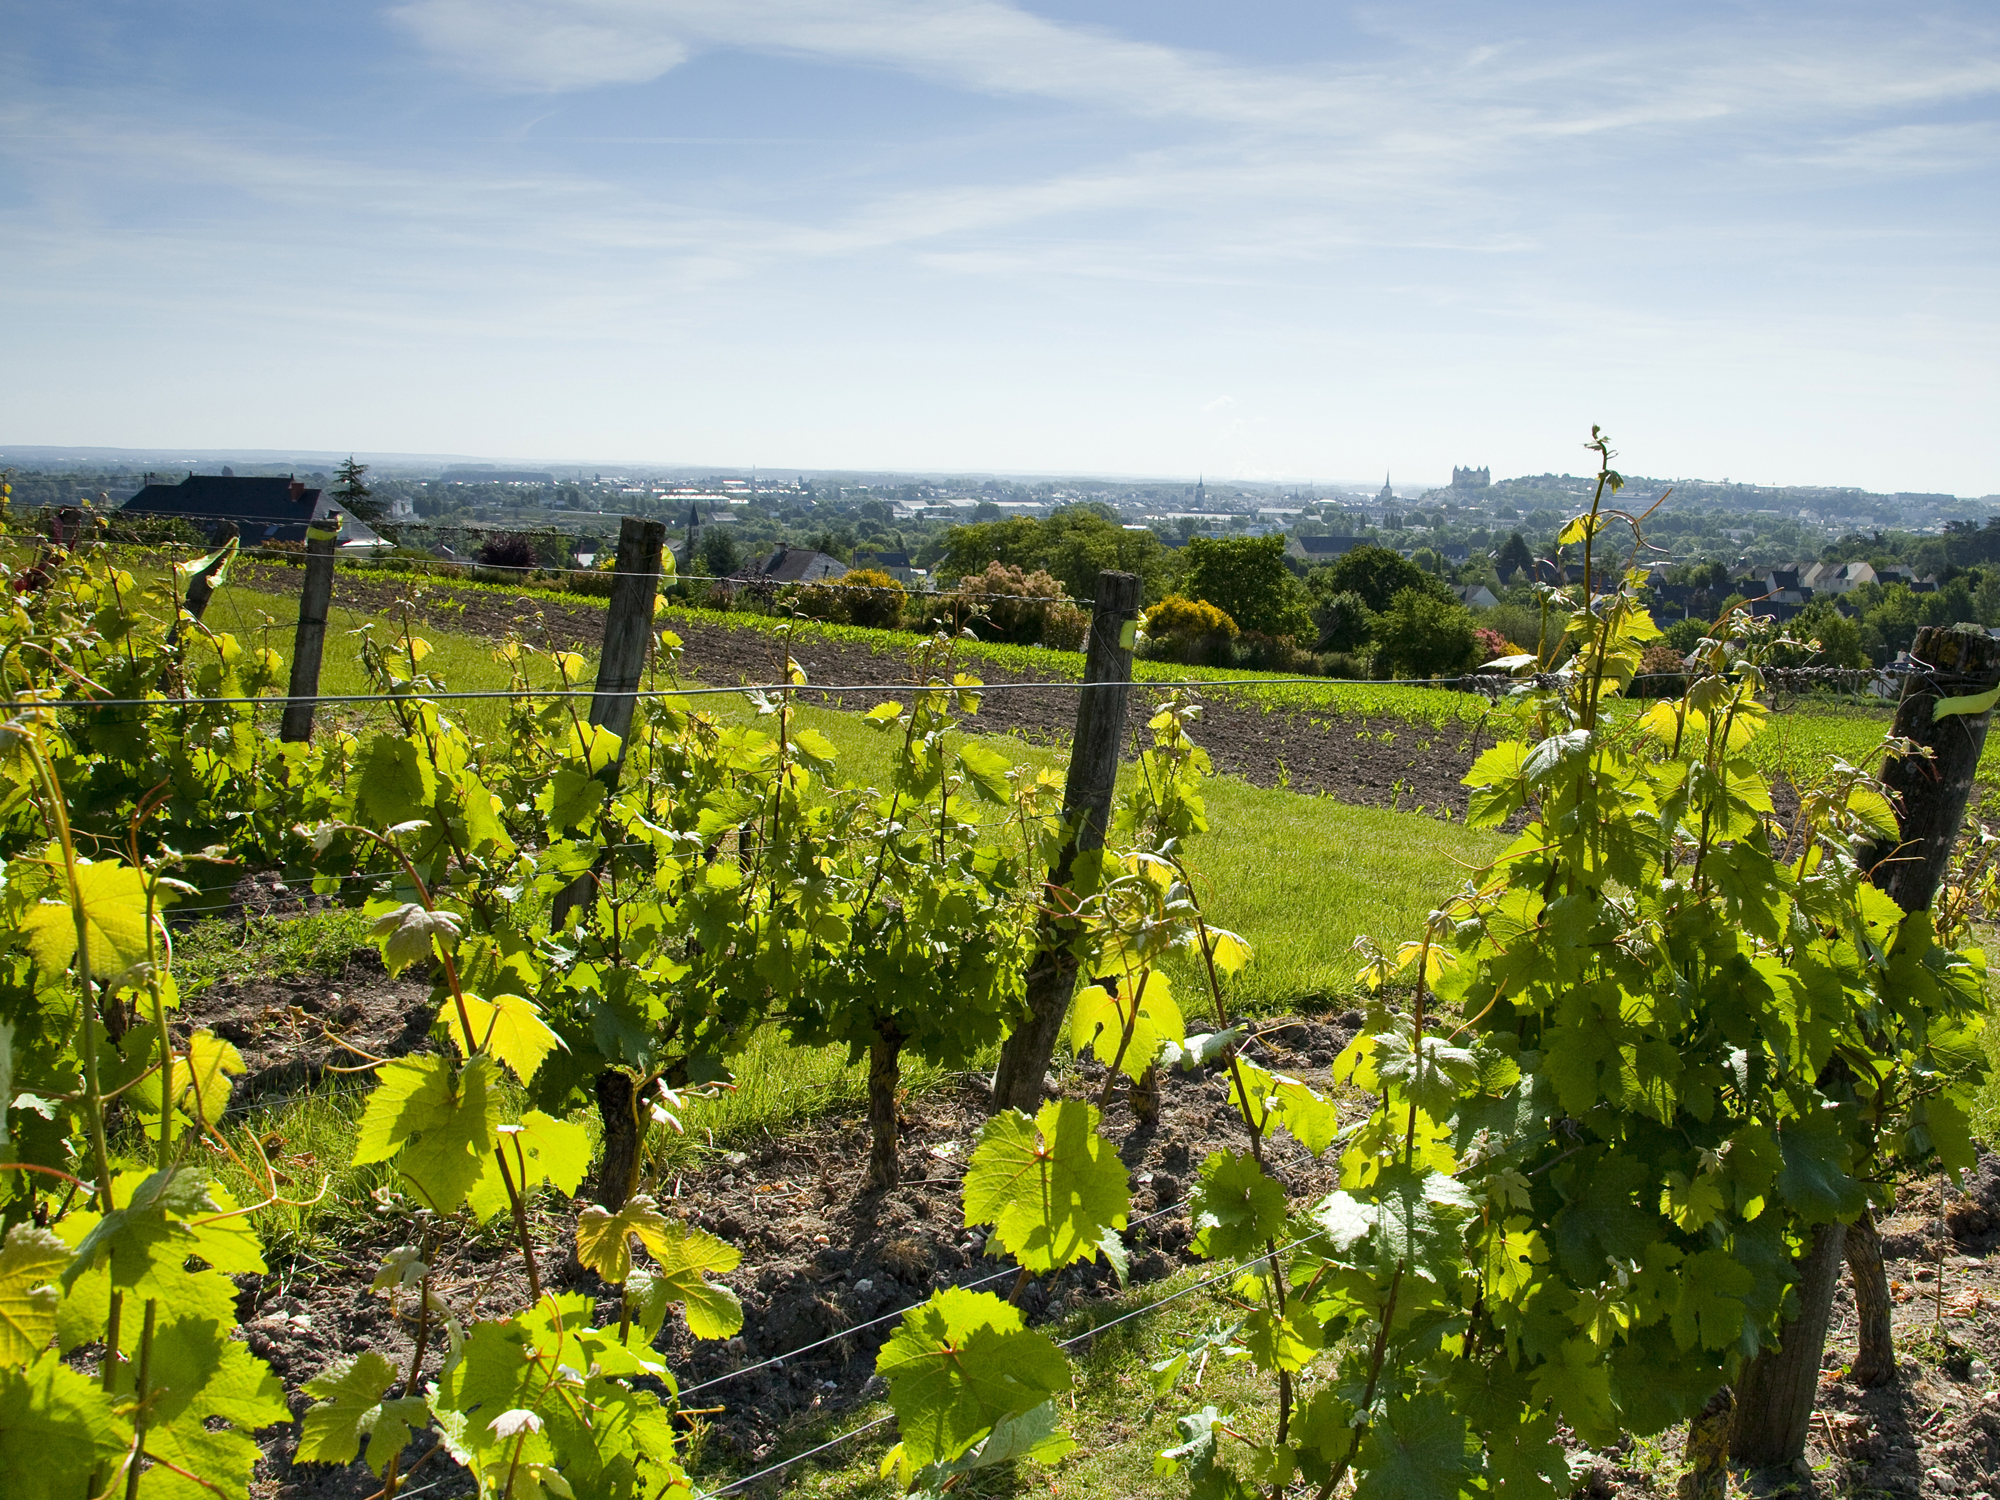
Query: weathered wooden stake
x,y
309,644
628,632
1775,1396
201,585
1093,772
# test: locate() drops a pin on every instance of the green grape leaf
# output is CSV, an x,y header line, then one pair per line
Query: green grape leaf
x,y
540,1149
1814,1180
438,1126
1602,1217
1950,1134
394,782
1421,1216
1098,1019
1050,1186
196,1376
685,1257
1714,1287
959,1364
1691,1203
350,1407
1235,1207
1283,1343
986,771
178,1190
570,800
1229,952
406,935
485,833
510,1027
56,1424
1577,1383
114,920
29,1266
1419,1449
594,745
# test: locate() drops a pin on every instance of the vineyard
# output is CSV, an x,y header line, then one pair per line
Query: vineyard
x,y
656,1146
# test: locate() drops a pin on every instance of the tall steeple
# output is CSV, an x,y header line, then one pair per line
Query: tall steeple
x,y
1388,496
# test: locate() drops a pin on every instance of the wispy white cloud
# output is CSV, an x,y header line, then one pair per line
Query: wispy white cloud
x,y
979,44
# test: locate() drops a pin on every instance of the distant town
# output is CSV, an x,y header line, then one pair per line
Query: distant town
x,y
1702,520
1345,580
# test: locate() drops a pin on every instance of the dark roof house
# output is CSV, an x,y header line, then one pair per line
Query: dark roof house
x,y
896,564
262,509
793,565
1323,548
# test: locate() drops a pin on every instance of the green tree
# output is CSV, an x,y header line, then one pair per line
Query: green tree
x,y
1424,635
720,556
1376,574
1894,619
1838,636
352,494
1514,556
1344,620
1247,579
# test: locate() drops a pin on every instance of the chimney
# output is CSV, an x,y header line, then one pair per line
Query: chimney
x,y
298,489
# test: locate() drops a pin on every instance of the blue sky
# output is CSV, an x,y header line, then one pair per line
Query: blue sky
x,y
1266,241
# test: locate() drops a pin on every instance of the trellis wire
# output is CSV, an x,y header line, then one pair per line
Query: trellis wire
x,y
890,1317
1499,683
1207,1281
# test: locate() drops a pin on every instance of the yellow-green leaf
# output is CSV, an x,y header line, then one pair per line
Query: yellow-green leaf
x,y
29,1265
114,917
509,1027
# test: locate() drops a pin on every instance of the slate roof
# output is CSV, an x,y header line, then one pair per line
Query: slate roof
x,y
794,565
264,509
1329,546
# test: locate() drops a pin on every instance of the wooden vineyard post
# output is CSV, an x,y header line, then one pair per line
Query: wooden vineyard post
x,y
628,632
628,635
309,644
1946,707
1093,771
201,584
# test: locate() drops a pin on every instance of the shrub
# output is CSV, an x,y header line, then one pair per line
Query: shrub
x,y
1492,644
1065,628
1346,664
508,549
1190,631
1256,652
1662,673
1006,604
1175,615
1425,635
872,598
